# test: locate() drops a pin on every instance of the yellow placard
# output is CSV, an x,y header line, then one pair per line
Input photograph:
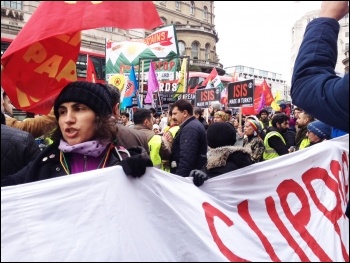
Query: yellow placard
x,y
117,80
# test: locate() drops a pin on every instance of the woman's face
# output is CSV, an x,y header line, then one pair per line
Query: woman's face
x,y
217,118
248,129
77,122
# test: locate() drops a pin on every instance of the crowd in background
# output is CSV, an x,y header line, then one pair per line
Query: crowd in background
x,y
86,131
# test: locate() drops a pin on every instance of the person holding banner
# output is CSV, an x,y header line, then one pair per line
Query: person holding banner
x,y
84,140
317,132
223,156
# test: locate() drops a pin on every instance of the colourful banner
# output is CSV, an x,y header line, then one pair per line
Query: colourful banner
x,y
41,60
289,209
160,44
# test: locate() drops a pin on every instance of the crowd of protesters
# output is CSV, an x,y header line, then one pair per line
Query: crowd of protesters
x,y
86,131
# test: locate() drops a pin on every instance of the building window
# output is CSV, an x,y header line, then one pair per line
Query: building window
x,y
194,50
205,13
182,51
346,46
12,4
164,21
263,73
177,5
108,29
346,34
207,52
192,8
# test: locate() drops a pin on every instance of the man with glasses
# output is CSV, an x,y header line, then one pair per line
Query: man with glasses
x,y
275,142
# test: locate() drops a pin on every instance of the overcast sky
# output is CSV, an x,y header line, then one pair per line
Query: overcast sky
x,y
258,34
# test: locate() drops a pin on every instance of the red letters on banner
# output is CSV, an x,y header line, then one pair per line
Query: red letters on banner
x,y
240,90
299,221
207,95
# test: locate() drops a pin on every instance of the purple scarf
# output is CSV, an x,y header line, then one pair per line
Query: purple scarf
x,y
91,149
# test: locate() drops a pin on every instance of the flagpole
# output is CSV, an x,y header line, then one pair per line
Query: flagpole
x,y
240,118
142,80
160,101
87,65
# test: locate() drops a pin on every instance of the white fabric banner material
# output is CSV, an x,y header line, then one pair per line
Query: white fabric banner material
x,y
287,209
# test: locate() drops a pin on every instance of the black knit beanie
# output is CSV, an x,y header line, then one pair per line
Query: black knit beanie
x,y
94,95
221,134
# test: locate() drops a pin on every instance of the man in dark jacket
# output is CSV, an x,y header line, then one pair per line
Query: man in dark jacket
x,y
18,148
315,86
189,149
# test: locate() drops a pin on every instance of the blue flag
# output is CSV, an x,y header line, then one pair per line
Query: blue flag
x,y
131,88
132,78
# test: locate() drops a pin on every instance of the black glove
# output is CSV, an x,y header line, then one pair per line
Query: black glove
x,y
198,177
135,166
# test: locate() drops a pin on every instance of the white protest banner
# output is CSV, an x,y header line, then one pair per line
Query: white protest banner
x,y
287,209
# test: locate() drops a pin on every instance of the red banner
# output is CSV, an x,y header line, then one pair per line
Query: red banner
x,y
264,88
42,58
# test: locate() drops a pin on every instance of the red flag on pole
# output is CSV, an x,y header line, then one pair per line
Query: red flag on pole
x,y
41,60
211,76
90,71
264,88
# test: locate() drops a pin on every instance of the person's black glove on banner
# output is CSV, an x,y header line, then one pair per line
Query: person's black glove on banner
x,y
198,177
135,166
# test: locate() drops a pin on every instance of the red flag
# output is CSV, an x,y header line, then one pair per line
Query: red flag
x,y
264,87
193,91
211,76
248,110
90,71
41,60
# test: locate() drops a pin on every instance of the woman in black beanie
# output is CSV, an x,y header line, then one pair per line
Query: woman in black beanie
x,y
84,140
222,156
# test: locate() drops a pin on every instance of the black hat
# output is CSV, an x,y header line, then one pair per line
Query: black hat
x,y
221,134
94,95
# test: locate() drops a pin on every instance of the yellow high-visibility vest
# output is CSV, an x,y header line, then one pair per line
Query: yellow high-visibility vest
x,y
269,152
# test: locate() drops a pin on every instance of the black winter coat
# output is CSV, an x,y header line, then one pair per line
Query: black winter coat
x,y
189,149
18,148
227,159
47,165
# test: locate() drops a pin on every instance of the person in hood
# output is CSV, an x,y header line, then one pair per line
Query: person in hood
x,y
223,156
